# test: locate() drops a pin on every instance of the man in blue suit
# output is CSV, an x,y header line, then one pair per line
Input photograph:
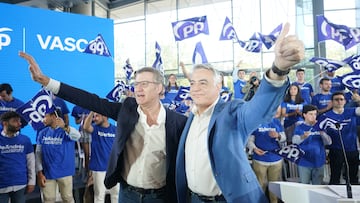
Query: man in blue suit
x,y
211,163
143,154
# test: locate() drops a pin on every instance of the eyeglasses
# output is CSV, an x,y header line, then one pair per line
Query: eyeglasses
x,y
144,84
339,99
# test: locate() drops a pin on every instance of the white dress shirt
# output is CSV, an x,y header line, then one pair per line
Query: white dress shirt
x,y
145,154
199,174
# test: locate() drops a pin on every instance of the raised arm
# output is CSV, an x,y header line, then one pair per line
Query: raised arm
x,y
289,50
87,123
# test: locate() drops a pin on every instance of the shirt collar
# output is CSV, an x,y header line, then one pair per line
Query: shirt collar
x,y
208,111
160,119
5,135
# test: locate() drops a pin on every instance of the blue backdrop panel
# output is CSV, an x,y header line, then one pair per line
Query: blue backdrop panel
x,y
56,40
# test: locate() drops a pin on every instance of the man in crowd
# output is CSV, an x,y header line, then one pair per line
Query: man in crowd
x,y
17,160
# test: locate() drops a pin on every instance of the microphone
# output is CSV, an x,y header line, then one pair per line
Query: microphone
x,y
348,185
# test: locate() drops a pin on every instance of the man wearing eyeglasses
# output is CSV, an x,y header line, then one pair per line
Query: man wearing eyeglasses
x,y
143,155
342,122
212,165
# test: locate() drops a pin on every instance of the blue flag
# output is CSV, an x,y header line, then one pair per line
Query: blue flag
x,y
158,64
116,92
128,69
199,56
354,62
331,31
191,27
228,32
34,110
328,64
291,152
98,47
351,80
355,37
183,94
324,123
270,39
254,44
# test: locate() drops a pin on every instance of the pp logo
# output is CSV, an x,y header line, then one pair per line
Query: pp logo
x,y
5,39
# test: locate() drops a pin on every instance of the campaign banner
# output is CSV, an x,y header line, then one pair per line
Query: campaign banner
x,y
57,40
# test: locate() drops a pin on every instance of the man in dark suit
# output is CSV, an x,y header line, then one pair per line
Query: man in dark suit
x,y
144,151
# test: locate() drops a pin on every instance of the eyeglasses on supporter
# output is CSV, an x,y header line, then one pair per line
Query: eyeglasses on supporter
x,y
339,99
144,84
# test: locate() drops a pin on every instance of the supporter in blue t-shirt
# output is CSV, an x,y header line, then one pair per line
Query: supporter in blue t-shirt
x,y
102,138
341,121
17,160
55,157
312,140
307,91
266,165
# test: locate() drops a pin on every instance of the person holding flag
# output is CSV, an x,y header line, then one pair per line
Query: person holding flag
x,y
312,140
55,155
267,165
341,121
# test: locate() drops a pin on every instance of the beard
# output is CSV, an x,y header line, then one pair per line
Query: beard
x,y
12,129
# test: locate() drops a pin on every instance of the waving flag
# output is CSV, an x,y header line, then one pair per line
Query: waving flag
x,y
354,62
183,94
331,31
355,37
98,47
351,80
328,64
191,27
158,64
116,92
291,152
270,39
128,69
34,110
199,56
228,32
254,44
174,105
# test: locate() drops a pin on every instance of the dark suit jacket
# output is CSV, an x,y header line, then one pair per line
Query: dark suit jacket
x,y
127,116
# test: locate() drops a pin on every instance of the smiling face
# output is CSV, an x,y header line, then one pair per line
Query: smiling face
x,y
204,88
146,89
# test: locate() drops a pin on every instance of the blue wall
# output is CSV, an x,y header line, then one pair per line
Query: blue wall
x,y
56,40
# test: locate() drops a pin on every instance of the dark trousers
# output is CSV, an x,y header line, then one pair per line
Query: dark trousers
x,y
194,198
336,163
15,197
129,195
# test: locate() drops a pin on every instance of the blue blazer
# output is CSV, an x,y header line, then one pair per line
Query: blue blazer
x,y
229,128
127,116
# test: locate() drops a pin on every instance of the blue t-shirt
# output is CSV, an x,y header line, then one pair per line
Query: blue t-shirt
x,y
13,162
337,85
170,95
101,143
321,100
306,91
347,121
313,146
291,107
58,153
12,105
238,85
264,142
